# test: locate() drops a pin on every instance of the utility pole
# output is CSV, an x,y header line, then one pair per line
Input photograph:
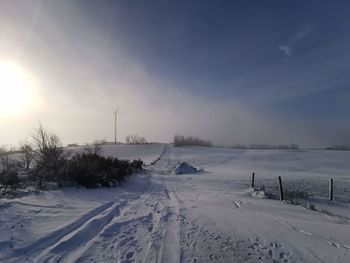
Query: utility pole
x,y
115,126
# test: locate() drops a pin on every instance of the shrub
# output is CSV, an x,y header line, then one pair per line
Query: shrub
x,y
9,170
54,165
136,165
91,170
9,176
339,148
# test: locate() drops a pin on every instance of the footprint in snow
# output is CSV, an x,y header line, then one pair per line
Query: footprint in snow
x,y
129,255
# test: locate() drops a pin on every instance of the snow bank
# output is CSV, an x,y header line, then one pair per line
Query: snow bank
x,y
185,168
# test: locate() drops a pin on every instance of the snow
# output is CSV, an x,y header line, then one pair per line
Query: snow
x,y
209,217
185,168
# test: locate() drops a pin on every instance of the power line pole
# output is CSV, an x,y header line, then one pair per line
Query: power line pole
x,y
115,126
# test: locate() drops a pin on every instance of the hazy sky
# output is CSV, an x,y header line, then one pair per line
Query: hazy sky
x,y
228,71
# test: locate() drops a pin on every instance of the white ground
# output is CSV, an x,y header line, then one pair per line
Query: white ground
x,y
207,217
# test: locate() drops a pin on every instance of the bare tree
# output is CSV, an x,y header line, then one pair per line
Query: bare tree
x,y
49,155
47,146
27,153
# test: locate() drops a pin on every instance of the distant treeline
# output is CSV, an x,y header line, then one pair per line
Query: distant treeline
x,y
130,139
266,146
135,139
339,148
180,140
94,143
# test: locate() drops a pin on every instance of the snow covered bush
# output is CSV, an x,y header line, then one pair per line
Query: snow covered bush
x,y
137,165
54,166
91,170
9,176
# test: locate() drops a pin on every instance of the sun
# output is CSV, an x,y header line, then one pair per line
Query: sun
x,y
17,89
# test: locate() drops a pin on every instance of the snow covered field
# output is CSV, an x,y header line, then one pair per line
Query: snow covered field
x,y
212,216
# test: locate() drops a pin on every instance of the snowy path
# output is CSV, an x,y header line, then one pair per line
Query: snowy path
x,y
161,217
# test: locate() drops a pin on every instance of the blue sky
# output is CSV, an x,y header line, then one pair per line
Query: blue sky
x,y
240,48
266,71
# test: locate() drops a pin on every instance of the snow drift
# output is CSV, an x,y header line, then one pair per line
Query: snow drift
x,y
185,168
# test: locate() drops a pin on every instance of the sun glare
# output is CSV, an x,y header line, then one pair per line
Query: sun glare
x,y
17,89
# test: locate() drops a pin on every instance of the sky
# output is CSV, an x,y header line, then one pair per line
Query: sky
x,y
234,72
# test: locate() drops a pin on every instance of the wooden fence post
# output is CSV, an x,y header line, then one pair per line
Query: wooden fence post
x,y
330,189
253,178
281,188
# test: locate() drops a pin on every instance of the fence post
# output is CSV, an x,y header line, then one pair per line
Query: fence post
x,y
281,189
253,178
330,189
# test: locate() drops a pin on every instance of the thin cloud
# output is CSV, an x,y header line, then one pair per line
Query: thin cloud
x,y
286,50
298,36
303,32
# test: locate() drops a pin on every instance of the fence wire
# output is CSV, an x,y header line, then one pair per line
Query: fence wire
x,y
308,188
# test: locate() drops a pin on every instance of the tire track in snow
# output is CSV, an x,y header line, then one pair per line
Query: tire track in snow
x,y
81,236
172,235
120,241
160,156
119,235
137,235
69,242
165,246
164,165
53,237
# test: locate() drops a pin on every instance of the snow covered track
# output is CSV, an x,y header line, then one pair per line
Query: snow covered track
x,y
161,217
